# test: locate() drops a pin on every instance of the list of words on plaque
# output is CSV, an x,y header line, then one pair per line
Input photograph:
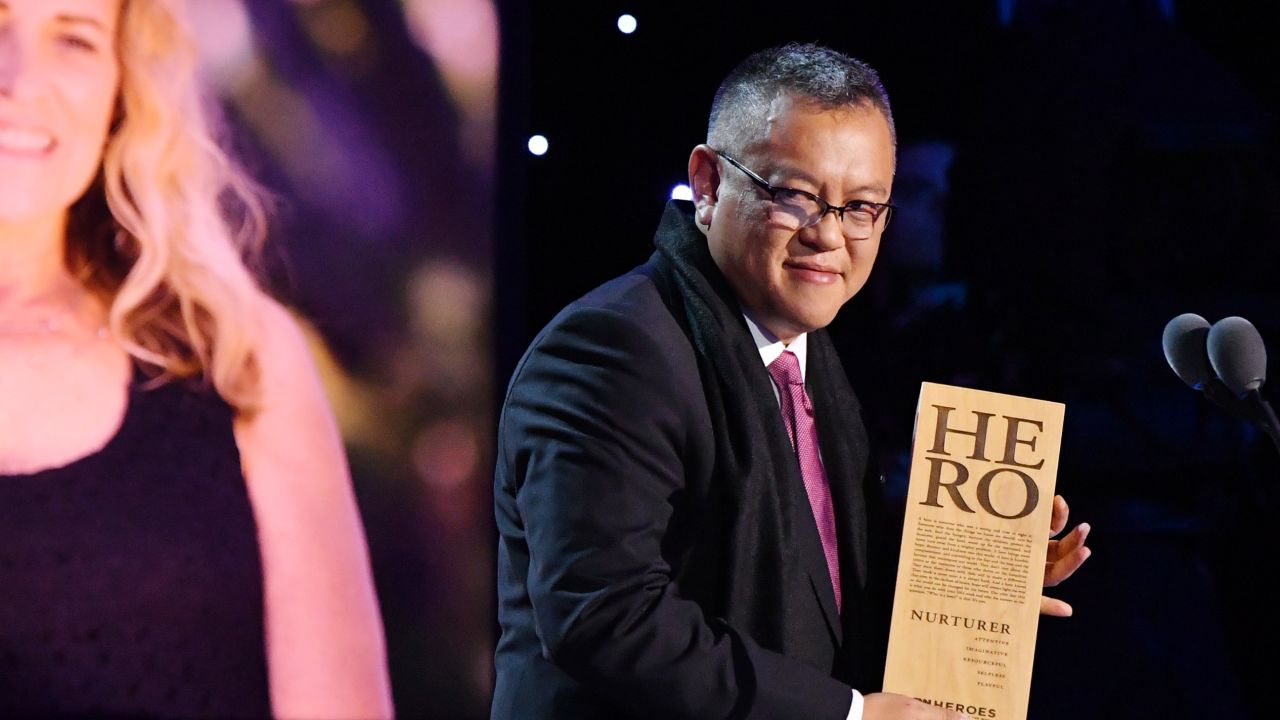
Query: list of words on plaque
x,y
983,470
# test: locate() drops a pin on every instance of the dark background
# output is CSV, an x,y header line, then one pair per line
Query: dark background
x,y
1072,175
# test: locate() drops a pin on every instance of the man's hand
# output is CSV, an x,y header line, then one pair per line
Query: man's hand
x,y
891,706
1065,556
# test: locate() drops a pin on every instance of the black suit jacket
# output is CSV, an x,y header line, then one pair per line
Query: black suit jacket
x,y
608,512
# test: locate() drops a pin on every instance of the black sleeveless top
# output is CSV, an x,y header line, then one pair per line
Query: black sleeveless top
x,y
130,579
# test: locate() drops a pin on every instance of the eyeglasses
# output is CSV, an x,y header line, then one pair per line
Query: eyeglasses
x,y
796,209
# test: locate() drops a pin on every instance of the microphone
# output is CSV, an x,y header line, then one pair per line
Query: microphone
x,y
1237,354
1185,341
1227,362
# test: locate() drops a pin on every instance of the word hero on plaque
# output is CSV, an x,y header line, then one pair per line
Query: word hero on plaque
x,y
971,569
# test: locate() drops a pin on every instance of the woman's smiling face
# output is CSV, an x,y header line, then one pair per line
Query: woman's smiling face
x,y
59,78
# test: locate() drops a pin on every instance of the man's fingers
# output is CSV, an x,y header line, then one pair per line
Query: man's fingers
x,y
1054,607
1065,566
1066,556
1059,519
1073,540
890,706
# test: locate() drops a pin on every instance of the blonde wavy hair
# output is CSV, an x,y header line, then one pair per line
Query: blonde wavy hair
x,y
164,232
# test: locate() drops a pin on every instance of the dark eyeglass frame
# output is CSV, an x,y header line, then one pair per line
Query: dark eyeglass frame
x,y
878,209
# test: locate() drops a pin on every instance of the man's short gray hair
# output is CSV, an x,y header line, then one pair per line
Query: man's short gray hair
x,y
828,78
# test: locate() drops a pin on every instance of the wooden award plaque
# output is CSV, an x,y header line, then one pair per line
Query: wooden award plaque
x,y
971,569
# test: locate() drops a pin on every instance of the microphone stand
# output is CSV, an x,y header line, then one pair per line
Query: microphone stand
x,y
1243,407
1269,424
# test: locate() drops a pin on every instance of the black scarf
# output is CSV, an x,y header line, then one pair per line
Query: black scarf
x,y
769,541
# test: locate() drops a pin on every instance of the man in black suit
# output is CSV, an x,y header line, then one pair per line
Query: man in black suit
x,y
684,498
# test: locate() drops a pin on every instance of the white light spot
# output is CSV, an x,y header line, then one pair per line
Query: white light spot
x,y
682,192
627,24
538,145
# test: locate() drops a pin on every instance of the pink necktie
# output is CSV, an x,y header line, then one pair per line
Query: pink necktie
x,y
797,413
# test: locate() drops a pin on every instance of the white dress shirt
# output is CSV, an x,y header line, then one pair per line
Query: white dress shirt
x,y
770,348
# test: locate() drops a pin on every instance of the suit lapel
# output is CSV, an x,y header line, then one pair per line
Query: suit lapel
x,y
820,581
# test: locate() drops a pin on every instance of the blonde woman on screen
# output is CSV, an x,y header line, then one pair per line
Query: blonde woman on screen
x,y
178,533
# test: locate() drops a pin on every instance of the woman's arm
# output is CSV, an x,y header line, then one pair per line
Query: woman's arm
x,y
325,645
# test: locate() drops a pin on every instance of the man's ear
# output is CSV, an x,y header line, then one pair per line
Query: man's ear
x,y
704,180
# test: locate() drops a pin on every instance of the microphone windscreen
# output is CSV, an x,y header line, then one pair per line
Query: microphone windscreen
x,y
1238,354
1184,347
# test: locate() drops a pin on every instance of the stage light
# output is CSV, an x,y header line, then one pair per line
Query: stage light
x,y
627,24
681,192
538,145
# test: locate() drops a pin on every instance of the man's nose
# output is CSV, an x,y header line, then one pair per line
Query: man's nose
x,y
827,234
